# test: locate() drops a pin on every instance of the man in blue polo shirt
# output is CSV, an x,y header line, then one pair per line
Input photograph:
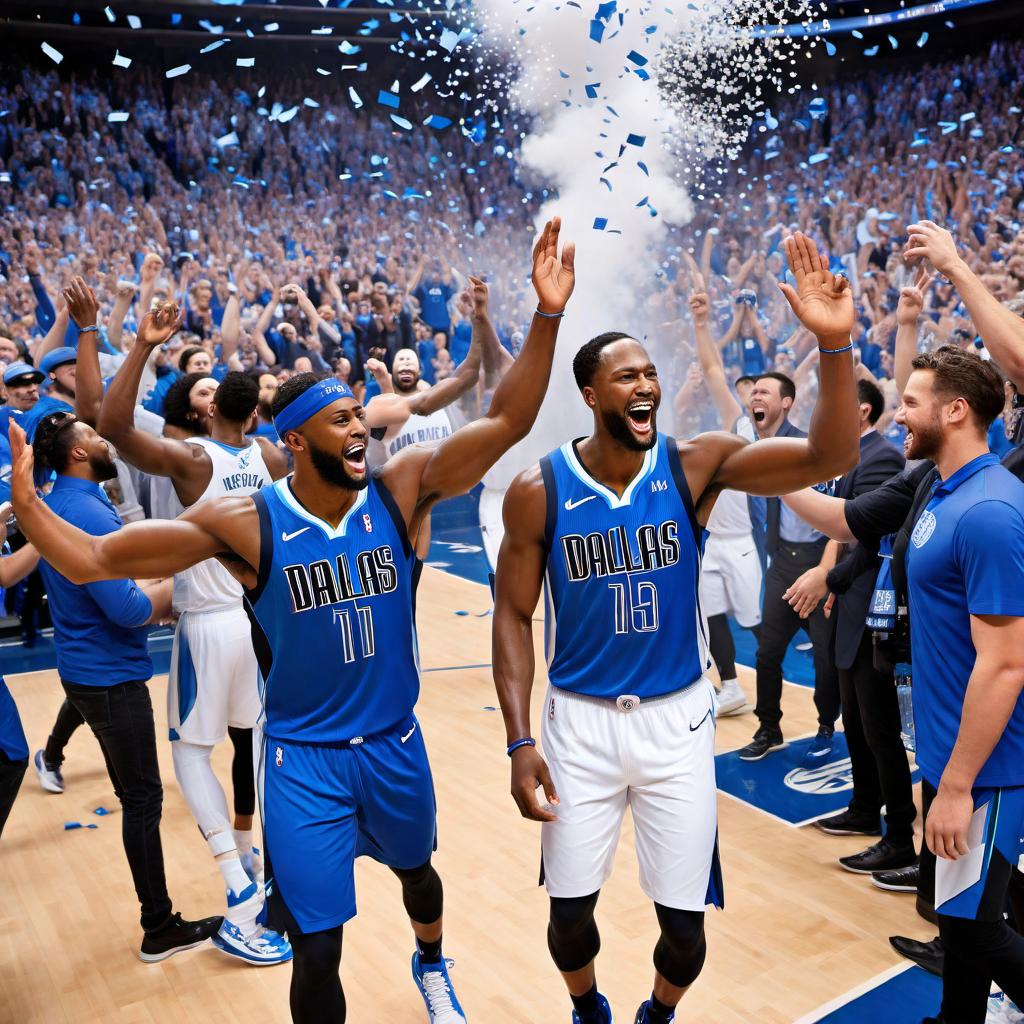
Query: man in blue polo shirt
x,y
965,569
104,665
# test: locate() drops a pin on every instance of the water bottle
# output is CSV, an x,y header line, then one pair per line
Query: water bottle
x,y
905,696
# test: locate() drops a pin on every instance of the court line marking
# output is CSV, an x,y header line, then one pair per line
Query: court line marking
x,y
453,668
855,993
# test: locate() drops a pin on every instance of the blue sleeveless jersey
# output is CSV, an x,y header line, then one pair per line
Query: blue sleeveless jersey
x,y
333,616
621,604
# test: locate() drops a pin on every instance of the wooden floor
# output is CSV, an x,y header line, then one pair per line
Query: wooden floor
x,y
797,932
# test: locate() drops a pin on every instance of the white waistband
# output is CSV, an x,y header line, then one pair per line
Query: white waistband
x,y
625,702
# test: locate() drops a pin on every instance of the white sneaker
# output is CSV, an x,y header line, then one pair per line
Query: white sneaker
x,y
730,700
1002,1010
49,778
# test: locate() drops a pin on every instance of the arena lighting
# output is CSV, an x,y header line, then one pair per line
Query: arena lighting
x,y
837,26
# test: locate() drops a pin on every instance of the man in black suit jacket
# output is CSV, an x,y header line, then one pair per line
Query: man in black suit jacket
x,y
871,714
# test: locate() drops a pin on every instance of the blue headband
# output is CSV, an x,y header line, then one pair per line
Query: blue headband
x,y
309,403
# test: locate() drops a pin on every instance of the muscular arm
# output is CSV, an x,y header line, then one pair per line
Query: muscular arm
x,y
517,590
88,380
826,514
187,465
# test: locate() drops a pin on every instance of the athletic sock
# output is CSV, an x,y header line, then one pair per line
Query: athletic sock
x,y
430,952
243,840
244,915
586,1005
658,1012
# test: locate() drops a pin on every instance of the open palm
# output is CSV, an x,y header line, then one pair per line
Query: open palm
x,y
553,277
822,301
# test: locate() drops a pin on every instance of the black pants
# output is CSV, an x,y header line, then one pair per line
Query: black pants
x,y
881,771
779,624
11,774
121,718
69,718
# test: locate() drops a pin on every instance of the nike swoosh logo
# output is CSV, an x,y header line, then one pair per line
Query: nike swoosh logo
x,y
409,733
694,728
570,505
292,536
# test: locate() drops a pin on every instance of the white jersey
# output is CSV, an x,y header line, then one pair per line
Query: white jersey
x,y
208,586
430,429
730,516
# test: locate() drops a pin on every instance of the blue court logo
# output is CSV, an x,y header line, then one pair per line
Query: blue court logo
x,y
835,777
924,529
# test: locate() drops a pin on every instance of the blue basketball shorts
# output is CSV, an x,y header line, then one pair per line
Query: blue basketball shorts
x,y
324,806
974,886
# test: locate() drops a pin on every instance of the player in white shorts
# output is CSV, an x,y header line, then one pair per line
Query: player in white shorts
x,y
611,525
731,571
213,684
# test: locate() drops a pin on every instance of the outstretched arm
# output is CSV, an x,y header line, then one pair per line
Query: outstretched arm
x,y
151,549
1001,330
80,302
517,590
461,460
122,303
824,305
729,410
186,464
908,313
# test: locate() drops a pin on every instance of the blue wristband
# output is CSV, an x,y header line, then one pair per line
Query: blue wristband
x,y
86,330
550,316
835,351
527,741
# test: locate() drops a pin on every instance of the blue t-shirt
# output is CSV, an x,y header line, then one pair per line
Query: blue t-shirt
x,y
462,338
433,297
98,628
12,735
965,557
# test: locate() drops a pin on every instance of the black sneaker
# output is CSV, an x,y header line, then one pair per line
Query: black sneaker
x,y
883,856
900,880
928,955
763,743
175,936
845,823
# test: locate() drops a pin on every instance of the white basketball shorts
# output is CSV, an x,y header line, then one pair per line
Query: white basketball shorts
x,y
658,760
214,680
730,579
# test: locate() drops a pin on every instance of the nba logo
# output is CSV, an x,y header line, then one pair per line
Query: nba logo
x,y
279,757
551,709
367,522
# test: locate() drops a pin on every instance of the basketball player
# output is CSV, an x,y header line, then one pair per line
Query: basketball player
x,y
212,686
327,558
613,523
730,575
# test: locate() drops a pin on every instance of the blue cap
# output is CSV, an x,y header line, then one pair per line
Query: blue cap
x,y
58,357
16,370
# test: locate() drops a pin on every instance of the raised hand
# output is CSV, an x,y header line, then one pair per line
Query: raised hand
x,y
479,297
23,485
378,369
151,266
911,303
82,303
822,301
700,305
926,240
125,289
160,324
553,277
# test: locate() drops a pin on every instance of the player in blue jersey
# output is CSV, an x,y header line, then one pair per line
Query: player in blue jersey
x,y
612,525
327,560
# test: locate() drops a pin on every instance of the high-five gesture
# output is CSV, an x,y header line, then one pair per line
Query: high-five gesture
x,y
822,301
553,277
82,303
159,324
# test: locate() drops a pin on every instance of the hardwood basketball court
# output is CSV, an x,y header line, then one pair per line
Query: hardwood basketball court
x,y
797,930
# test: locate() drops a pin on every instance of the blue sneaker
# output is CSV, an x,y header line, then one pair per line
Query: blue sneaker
x,y
642,1016
262,948
606,1012
436,988
820,748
